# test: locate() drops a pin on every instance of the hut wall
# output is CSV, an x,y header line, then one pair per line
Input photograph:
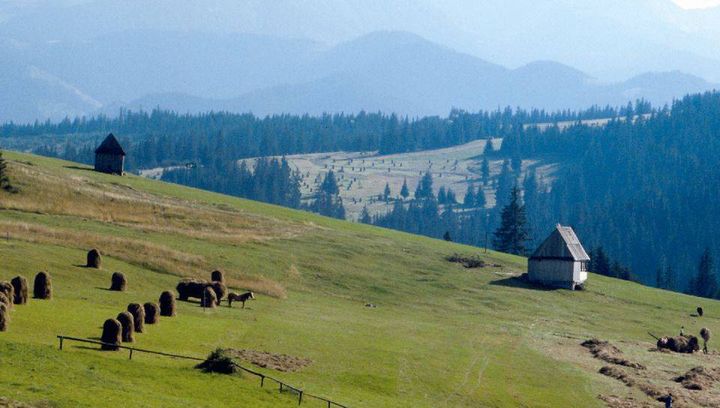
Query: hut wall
x,y
553,272
109,163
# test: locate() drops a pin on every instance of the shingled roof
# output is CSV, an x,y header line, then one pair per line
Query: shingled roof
x,y
561,244
110,146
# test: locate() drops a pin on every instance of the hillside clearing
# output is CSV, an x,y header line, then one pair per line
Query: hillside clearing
x,y
441,334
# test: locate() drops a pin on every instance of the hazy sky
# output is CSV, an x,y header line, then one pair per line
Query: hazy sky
x,y
697,3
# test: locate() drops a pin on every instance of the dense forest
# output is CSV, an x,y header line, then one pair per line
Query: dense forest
x,y
641,191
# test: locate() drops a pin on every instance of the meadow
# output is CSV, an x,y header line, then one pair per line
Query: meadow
x,y
440,336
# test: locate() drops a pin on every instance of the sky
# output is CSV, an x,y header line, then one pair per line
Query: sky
x,y
696,4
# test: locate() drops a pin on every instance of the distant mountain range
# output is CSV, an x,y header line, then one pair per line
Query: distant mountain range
x,y
386,71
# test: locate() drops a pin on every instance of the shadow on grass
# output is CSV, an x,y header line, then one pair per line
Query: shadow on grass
x,y
522,283
79,168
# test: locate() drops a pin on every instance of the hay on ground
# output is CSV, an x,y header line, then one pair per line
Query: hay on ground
x,y
618,374
111,335
128,326
605,351
217,276
699,378
679,344
8,290
152,313
20,286
264,359
94,259
118,282
167,304
42,288
209,298
4,317
220,291
191,288
138,312
219,361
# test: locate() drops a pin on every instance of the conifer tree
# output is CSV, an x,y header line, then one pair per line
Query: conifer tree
x,y
365,216
404,191
425,187
512,235
4,178
469,200
485,171
386,192
705,283
480,201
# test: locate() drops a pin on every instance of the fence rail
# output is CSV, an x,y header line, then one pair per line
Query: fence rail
x,y
284,387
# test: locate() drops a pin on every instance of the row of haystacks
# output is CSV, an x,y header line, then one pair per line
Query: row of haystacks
x,y
122,328
15,292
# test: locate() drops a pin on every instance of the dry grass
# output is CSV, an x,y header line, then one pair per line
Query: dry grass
x,y
142,253
259,284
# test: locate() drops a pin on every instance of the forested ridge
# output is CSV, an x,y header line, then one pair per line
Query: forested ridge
x,y
640,191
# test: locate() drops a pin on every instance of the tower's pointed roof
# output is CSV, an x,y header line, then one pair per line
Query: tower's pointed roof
x,y
110,146
562,244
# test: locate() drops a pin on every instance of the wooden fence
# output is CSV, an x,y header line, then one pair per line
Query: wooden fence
x,y
283,387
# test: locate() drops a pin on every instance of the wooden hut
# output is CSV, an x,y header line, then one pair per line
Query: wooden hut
x,y
110,156
560,261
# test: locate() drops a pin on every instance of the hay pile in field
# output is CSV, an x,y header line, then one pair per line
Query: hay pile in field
x,y
613,401
191,288
605,351
111,334
167,304
20,286
280,362
618,374
5,301
679,344
8,290
42,287
220,291
118,282
152,313
94,259
217,276
469,262
128,326
699,378
219,361
4,317
138,312
209,298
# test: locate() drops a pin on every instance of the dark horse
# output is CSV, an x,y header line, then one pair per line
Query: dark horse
x,y
241,298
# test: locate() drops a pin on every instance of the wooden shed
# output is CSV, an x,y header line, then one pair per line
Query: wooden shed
x,y
560,261
110,156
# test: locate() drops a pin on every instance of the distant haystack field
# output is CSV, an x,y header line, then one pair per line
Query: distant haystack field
x,y
362,175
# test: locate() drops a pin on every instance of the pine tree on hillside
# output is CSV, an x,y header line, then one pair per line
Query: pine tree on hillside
x,y
512,235
442,196
485,171
425,187
489,149
4,179
599,262
365,216
705,283
404,191
386,192
329,184
328,201
480,201
469,200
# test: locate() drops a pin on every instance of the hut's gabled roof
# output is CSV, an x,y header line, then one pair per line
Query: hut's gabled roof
x,y
562,244
110,146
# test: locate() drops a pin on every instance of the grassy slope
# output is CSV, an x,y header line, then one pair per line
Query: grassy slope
x,y
440,336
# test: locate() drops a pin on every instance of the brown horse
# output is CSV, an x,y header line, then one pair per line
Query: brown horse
x,y
240,298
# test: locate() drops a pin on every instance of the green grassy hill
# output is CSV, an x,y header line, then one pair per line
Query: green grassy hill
x,y
441,335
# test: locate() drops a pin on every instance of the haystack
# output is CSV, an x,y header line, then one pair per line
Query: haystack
x,y
111,335
128,326
20,286
138,312
190,287
209,298
4,317
5,301
679,344
42,288
94,259
8,290
219,361
705,334
700,311
220,291
217,276
152,313
118,282
167,304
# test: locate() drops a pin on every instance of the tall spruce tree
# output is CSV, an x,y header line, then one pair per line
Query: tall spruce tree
x,y
386,192
404,191
512,235
485,171
469,200
425,187
705,283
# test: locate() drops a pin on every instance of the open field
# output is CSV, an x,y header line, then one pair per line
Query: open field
x,y
441,335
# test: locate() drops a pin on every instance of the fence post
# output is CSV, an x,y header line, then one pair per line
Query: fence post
x,y
130,358
61,341
281,384
262,381
300,398
328,404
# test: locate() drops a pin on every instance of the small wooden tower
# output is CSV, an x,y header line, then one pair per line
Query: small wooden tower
x,y
110,156
560,261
